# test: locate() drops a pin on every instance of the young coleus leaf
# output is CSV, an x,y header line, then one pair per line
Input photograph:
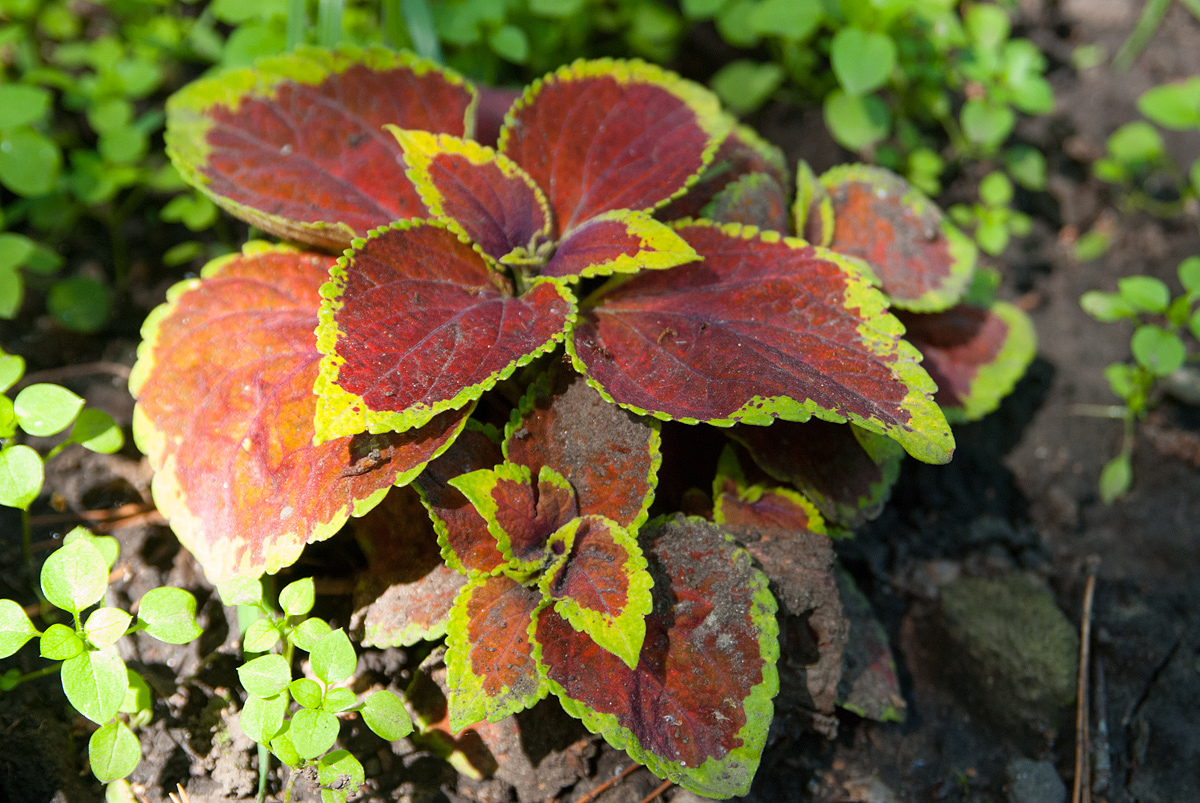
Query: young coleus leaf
x,y
613,470
601,585
697,708
224,385
766,327
488,198
923,263
812,211
976,355
406,592
846,471
741,153
520,516
737,502
412,324
489,653
295,145
755,199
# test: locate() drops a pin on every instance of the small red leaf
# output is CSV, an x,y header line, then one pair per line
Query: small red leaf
x,y
698,706
605,135
520,516
755,199
618,241
225,408
467,546
492,200
764,328
613,470
923,263
489,653
737,503
602,588
847,472
406,593
975,355
411,325
741,153
295,145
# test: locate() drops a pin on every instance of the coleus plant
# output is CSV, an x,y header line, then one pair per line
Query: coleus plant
x,y
464,263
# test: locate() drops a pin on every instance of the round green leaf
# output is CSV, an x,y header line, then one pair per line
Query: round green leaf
x,y
987,25
260,636
1116,478
339,699
1194,174
21,476
996,189
262,717
1189,274
1136,143
169,615
1159,351
386,716
787,19
1120,379
80,304
74,576
1027,166
313,732
137,696
14,249
309,632
985,123
1194,324
306,691
332,658
105,625
44,409
240,591
1145,293
12,368
856,122
107,545
297,598
96,431
1175,106
510,43
283,749
15,627
341,770
29,162
744,85
862,59
265,676
22,105
1106,307
95,683
113,752
12,292
60,643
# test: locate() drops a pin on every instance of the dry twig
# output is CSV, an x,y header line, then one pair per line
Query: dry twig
x,y
1081,791
602,788
662,787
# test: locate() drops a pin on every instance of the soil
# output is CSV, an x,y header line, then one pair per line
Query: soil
x,y
1020,495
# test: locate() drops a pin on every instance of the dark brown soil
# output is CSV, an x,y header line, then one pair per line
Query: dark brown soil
x,y
1019,495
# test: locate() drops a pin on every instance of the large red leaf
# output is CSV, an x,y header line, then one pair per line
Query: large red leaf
x,y
765,327
611,457
847,472
295,144
975,354
412,324
602,588
604,135
225,408
466,544
485,193
698,706
407,590
489,652
520,515
923,263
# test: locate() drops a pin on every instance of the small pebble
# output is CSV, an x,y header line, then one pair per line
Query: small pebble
x,y
1034,782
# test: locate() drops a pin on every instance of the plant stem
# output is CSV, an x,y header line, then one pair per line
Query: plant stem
x,y
264,766
35,674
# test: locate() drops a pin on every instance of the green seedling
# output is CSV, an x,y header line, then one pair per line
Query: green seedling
x,y
1159,350
993,218
94,678
302,735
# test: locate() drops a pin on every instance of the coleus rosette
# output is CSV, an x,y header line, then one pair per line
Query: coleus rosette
x,y
465,263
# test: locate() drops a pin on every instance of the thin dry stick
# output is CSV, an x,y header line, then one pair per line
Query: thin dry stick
x,y
602,788
1081,791
662,787
71,371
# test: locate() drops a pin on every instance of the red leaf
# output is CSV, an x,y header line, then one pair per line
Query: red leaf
x,y
605,135
225,408
697,708
755,199
406,593
610,456
520,517
463,534
847,472
618,241
869,686
412,325
922,261
489,652
763,328
491,199
741,153
975,355
295,145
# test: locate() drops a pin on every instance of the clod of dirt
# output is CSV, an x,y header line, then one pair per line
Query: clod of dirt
x,y
1013,654
1034,782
